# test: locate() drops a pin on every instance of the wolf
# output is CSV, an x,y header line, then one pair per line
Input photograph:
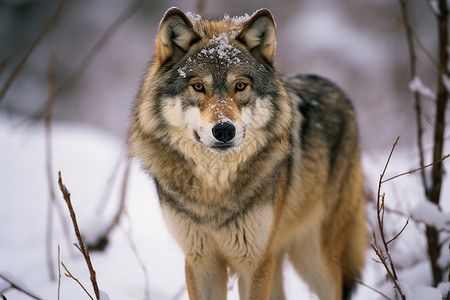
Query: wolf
x,y
251,168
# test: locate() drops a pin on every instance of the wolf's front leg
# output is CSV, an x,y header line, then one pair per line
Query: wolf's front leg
x,y
206,280
256,284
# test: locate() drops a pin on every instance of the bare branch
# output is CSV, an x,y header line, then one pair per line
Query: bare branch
x,y
59,272
33,46
433,189
141,263
109,184
398,234
418,169
414,219
20,289
345,272
385,256
84,250
3,65
48,140
123,195
424,49
69,275
49,168
389,158
179,293
434,195
416,94
102,241
448,278
81,68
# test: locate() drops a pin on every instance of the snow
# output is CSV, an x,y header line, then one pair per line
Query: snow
x,y
220,47
182,71
446,82
141,253
193,17
435,7
426,293
237,19
431,214
103,296
416,85
444,287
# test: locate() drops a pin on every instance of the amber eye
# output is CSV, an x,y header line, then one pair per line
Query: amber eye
x,y
240,86
199,87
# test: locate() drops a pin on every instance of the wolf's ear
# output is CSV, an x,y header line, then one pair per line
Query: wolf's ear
x,y
258,34
175,36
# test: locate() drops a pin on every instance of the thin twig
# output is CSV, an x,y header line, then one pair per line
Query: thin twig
x,y
437,171
129,236
179,293
448,276
49,168
48,158
102,241
418,169
84,250
389,158
81,68
346,273
123,196
424,49
371,288
59,272
382,258
400,232
141,263
20,289
108,186
412,218
416,94
36,42
389,266
3,65
69,275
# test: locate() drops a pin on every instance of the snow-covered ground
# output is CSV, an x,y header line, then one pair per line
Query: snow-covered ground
x,y
141,251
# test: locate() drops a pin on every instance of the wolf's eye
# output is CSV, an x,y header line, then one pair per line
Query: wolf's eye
x,y
198,87
240,86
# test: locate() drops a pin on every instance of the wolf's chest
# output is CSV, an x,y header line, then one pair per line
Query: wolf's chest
x,y
215,171
246,236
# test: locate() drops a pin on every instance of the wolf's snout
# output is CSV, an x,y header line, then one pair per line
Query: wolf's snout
x,y
224,131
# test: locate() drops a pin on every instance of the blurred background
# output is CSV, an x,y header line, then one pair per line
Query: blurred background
x,y
102,48
98,52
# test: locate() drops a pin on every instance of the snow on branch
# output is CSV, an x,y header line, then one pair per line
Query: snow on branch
x,y
416,86
13,285
431,214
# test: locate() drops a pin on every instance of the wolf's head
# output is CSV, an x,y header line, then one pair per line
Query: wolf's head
x,y
212,82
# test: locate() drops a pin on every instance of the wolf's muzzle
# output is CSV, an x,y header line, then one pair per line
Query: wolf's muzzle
x,y
224,131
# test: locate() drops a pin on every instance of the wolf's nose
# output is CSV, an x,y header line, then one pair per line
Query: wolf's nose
x,y
224,131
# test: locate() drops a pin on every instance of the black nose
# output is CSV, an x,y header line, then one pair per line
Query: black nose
x,y
224,131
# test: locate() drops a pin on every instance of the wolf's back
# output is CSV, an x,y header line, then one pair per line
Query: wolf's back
x,y
326,158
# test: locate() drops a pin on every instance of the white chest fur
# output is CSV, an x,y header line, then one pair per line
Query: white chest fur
x,y
242,240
